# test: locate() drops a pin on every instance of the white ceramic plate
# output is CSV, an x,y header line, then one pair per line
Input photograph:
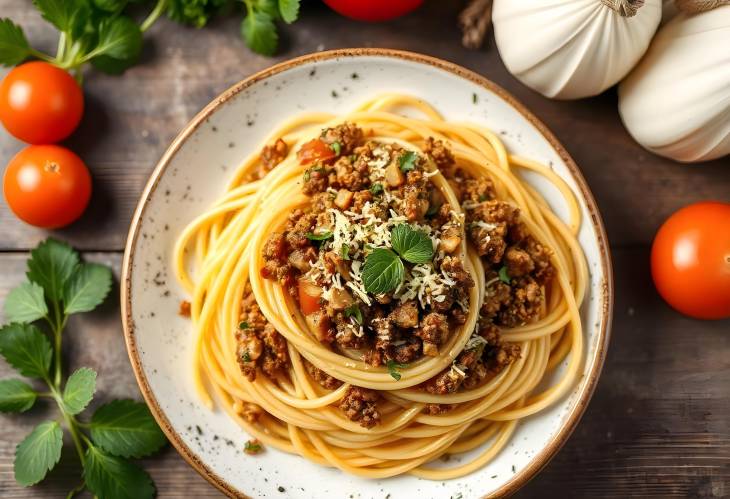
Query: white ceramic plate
x,y
192,174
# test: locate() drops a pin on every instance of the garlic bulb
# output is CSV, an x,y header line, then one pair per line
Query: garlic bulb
x,y
568,49
676,102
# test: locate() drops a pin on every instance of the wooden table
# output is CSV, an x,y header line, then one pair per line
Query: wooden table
x,y
659,423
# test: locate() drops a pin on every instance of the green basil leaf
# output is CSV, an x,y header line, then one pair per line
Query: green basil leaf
x,y
79,390
51,264
382,272
87,288
16,396
38,453
14,46
393,367
126,428
503,275
25,303
407,161
413,245
319,237
119,38
354,311
289,10
115,478
259,32
27,349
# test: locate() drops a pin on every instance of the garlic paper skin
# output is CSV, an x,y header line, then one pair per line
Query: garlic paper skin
x,y
568,49
676,102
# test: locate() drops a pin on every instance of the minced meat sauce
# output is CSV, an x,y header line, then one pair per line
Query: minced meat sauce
x,y
360,190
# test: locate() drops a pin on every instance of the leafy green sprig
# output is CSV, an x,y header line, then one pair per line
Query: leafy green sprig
x,y
60,285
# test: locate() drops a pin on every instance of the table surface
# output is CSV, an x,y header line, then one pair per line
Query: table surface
x,y
659,423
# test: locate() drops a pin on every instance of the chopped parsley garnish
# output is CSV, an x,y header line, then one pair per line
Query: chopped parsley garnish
x,y
336,147
246,357
376,189
319,237
243,325
503,275
354,311
252,447
413,245
345,251
393,367
407,161
474,98
307,175
383,271
353,158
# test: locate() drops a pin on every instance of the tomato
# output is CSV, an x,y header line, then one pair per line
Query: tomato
x,y
309,294
315,150
40,103
47,186
690,260
373,10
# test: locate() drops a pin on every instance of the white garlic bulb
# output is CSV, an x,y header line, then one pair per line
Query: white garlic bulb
x,y
568,49
676,102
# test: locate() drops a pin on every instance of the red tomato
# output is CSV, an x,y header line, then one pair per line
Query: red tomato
x,y
313,151
309,297
47,186
690,260
40,103
373,10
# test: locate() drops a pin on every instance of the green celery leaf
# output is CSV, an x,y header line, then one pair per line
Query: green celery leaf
x,y
268,7
289,10
383,271
119,38
87,288
259,32
25,303
51,264
413,245
126,428
112,477
38,453
16,396
14,47
79,390
27,349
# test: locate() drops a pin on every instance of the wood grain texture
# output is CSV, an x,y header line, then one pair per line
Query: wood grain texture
x,y
659,424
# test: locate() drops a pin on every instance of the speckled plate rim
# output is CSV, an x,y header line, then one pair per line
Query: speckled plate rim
x,y
587,386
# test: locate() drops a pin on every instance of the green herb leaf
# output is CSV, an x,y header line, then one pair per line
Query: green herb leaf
x,y
66,15
413,245
113,477
193,12
259,32
246,357
25,303
336,147
307,175
112,66
252,447
383,271
407,161
16,396
243,325
27,349
126,428
38,453
503,275
112,6
354,311
14,47
289,10
393,367
376,189
87,288
345,251
319,237
51,264
79,390
119,38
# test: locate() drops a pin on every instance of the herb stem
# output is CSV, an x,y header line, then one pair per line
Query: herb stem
x,y
61,46
76,490
71,423
154,15
44,57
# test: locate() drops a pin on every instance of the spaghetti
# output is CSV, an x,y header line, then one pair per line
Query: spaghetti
x,y
347,400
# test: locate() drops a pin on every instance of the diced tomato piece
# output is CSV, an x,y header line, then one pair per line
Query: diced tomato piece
x,y
309,295
315,150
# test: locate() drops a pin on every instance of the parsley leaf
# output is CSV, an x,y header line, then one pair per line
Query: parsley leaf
x,y
319,237
336,147
14,47
110,476
66,15
51,264
243,325
16,396
376,189
382,272
413,245
252,447
246,356
259,32
79,390
393,367
25,303
354,311
119,38
126,428
87,288
38,453
27,349
503,275
345,251
289,10
196,12
407,161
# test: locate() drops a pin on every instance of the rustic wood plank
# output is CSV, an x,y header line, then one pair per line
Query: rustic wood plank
x,y
658,425
130,120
